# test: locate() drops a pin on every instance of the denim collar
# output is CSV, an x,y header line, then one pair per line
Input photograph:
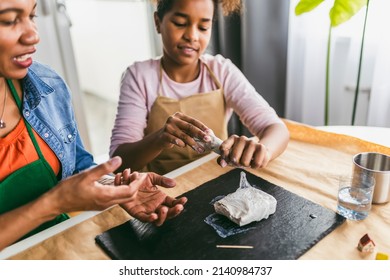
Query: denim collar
x,y
34,89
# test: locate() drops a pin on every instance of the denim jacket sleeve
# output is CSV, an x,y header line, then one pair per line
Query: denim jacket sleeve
x,y
48,108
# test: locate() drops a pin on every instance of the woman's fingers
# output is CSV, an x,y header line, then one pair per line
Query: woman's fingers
x,y
95,173
110,195
162,213
171,202
146,217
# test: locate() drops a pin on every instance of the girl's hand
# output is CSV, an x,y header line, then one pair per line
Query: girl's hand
x,y
181,129
244,152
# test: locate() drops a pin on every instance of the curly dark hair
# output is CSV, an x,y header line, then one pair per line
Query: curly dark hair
x,y
228,6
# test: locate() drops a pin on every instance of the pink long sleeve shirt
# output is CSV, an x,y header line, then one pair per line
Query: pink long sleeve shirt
x,y
140,86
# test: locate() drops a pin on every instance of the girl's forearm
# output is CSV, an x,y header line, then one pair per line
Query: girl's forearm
x,y
275,138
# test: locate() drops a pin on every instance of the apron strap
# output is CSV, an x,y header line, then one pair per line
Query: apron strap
x,y
219,86
19,104
159,92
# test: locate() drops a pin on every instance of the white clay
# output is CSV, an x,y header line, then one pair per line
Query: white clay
x,y
212,145
247,204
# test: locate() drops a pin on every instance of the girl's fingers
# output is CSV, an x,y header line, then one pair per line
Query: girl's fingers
x,y
237,150
184,128
118,179
188,123
222,162
251,148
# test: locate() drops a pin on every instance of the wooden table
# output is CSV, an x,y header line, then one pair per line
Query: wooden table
x,y
309,167
378,135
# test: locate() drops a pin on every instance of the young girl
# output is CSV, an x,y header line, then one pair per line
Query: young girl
x,y
41,149
166,102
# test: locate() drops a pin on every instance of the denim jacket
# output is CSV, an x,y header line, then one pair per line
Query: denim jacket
x,y
47,107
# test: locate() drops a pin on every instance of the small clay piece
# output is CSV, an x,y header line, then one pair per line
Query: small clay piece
x,y
366,244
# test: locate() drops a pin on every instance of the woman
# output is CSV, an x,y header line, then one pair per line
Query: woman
x,y
40,147
167,102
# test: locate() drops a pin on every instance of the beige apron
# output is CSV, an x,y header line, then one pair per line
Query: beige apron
x,y
209,108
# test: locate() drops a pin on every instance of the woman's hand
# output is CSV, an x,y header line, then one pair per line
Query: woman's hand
x,y
181,129
150,204
83,192
136,192
244,152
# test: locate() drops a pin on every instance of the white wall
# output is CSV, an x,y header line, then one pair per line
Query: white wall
x,y
107,37
56,50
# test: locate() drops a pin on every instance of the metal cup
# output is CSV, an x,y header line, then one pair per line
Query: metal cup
x,y
378,166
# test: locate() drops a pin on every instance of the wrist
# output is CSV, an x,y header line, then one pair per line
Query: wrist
x,y
268,152
47,206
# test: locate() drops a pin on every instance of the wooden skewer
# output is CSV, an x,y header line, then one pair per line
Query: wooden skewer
x,y
235,246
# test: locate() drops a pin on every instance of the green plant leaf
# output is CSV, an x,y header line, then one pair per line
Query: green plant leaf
x,y
343,10
305,6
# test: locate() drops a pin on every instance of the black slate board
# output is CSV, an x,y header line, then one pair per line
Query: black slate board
x,y
296,226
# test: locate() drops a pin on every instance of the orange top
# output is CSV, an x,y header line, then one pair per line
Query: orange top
x,y
17,150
